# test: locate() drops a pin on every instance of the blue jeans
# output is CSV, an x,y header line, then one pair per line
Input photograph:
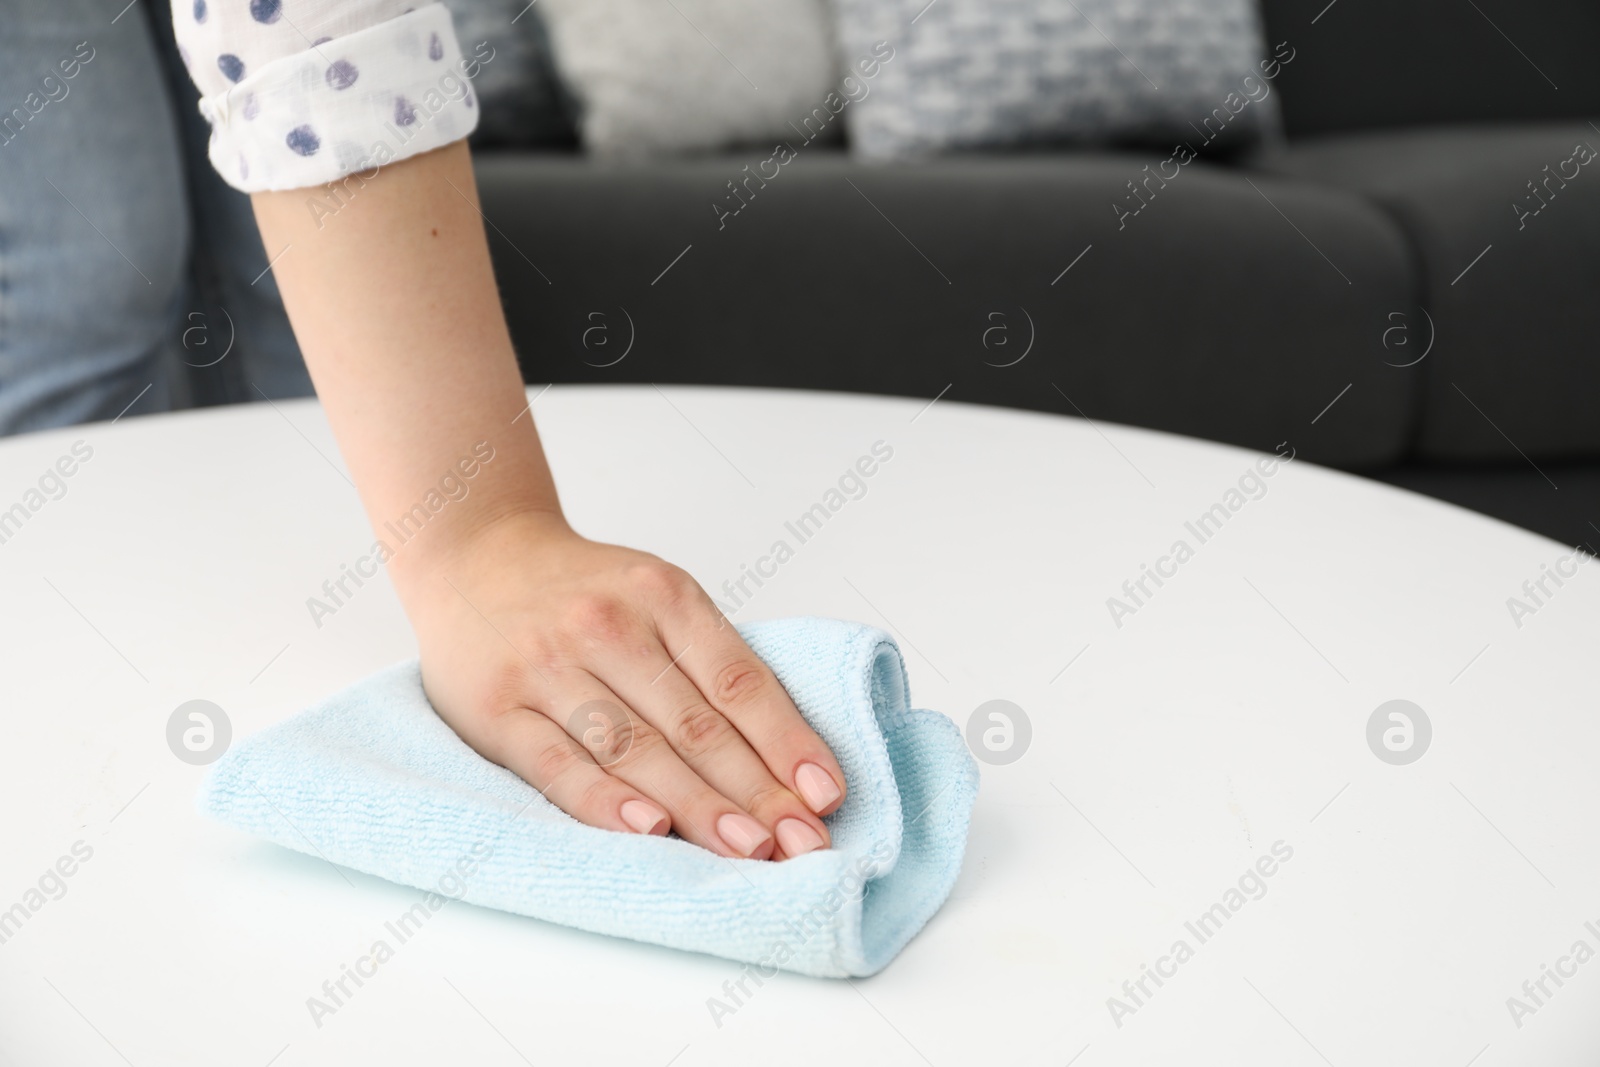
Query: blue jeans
x,y
131,277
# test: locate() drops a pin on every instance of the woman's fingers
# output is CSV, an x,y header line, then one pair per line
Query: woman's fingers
x,y
734,681
545,757
648,711
710,745
630,749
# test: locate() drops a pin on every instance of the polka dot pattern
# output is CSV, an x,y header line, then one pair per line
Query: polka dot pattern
x,y
342,74
266,11
303,140
377,86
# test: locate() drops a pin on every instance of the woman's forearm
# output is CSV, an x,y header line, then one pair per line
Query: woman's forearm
x,y
393,300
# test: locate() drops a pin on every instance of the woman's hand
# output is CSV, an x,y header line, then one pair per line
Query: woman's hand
x,y
608,680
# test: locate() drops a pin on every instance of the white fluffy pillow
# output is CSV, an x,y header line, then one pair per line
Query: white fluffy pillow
x,y
660,76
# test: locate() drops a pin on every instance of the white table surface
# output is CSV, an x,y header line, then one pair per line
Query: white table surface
x,y
1228,714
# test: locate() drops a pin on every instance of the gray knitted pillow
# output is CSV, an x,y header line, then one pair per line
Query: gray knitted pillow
x,y
1011,73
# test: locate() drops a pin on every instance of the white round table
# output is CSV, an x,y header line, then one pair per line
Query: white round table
x,y
1217,731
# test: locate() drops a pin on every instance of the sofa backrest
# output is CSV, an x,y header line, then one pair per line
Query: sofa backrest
x,y
1362,64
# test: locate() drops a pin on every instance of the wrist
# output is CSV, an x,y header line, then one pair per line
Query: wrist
x,y
438,510
471,533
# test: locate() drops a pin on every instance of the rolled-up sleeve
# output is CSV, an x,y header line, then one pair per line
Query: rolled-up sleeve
x,y
304,92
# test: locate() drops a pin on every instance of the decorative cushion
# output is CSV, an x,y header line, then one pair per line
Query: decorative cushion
x,y
1011,73
662,76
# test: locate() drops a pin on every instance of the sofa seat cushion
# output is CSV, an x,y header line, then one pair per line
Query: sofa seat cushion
x,y
1201,304
1505,223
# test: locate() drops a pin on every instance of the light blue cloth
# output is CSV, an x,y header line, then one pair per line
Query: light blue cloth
x,y
373,779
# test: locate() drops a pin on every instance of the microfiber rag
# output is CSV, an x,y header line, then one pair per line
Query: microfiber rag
x,y
373,779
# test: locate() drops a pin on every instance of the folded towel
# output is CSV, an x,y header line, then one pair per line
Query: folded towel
x,y
373,779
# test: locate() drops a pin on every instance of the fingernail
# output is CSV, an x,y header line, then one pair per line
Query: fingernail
x,y
816,786
742,833
644,818
797,838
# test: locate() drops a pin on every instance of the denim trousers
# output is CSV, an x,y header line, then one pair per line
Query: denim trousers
x,y
132,279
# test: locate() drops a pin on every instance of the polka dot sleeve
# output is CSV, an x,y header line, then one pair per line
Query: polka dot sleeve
x,y
301,93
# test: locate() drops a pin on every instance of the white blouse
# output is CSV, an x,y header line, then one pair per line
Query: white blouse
x,y
304,92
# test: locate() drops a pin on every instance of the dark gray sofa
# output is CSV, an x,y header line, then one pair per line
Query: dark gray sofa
x,y
1245,296
1280,295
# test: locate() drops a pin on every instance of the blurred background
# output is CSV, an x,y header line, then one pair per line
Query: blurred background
x,y
1368,230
